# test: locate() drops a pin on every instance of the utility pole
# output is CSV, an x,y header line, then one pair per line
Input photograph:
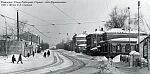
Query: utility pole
x,y
129,27
17,26
148,52
31,39
138,26
6,37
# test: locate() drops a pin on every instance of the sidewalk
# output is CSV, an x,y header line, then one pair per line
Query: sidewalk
x,y
123,68
31,62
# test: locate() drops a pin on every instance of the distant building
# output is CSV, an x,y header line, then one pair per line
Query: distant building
x,y
78,43
93,40
81,42
27,36
113,42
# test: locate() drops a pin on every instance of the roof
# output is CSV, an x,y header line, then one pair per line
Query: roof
x,y
116,30
134,53
131,53
119,30
142,38
82,45
81,40
123,39
81,35
98,32
95,48
136,31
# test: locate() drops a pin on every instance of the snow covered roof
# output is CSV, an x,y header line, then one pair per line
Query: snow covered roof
x,y
142,38
94,48
81,40
119,30
81,35
82,45
123,39
136,53
116,30
131,53
136,31
98,32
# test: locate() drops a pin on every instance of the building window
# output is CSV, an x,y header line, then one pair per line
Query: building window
x,y
127,48
123,49
118,47
113,49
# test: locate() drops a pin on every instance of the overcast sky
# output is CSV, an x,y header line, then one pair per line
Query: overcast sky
x,y
66,16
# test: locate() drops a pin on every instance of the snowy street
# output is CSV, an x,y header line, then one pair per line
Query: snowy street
x,y
60,61
66,62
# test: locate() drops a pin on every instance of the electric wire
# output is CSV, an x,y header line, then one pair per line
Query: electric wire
x,y
64,12
24,23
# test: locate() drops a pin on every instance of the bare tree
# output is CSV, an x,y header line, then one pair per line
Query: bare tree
x,y
22,26
13,28
117,18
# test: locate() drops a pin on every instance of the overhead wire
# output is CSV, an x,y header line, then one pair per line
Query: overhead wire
x,y
24,23
31,15
143,19
64,12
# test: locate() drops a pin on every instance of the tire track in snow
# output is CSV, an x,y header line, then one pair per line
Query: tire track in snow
x,y
34,69
77,64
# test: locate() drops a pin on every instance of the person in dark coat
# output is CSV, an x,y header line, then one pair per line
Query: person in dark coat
x,y
48,52
33,53
28,55
20,59
13,58
45,54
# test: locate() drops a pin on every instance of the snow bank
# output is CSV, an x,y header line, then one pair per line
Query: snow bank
x,y
101,58
9,58
2,59
116,59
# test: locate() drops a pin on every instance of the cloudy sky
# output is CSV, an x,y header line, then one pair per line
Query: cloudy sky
x,y
67,16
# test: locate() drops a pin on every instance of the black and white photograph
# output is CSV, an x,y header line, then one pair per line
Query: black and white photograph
x,y
74,36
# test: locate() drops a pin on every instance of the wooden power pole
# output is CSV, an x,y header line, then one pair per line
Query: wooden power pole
x,y
17,26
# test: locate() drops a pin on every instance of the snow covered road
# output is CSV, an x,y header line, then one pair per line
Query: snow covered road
x,y
55,63
59,62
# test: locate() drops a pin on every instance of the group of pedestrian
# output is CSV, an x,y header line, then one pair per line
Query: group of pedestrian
x,y
19,59
48,53
28,54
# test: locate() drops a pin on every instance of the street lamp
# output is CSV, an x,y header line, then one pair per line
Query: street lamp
x,y
6,34
129,28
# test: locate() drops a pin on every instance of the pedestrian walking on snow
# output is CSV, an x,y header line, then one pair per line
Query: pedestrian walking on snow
x,y
28,55
13,58
20,59
33,53
45,54
48,52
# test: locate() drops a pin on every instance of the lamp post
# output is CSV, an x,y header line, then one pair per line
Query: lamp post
x,y
6,34
138,27
129,24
